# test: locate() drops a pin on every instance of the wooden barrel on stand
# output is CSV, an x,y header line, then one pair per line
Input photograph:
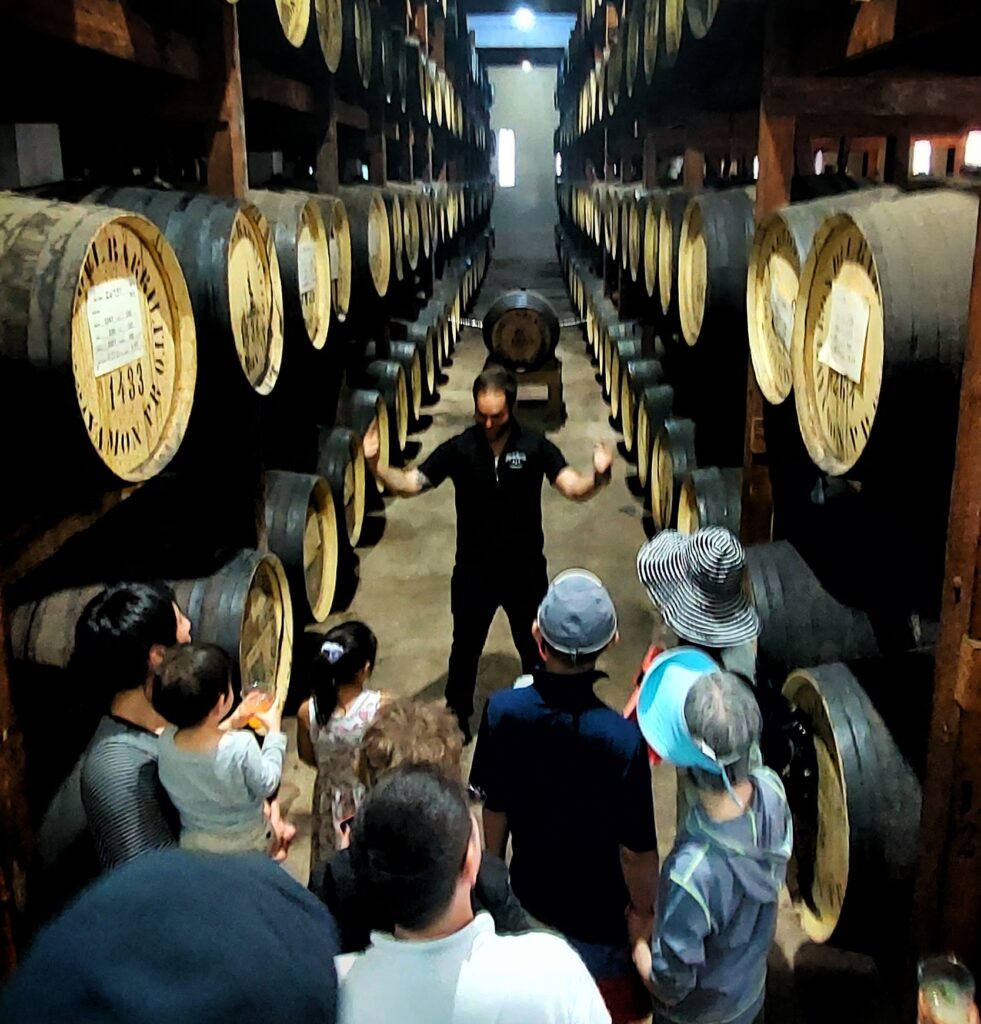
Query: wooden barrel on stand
x,y
302,526
654,404
423,333
69,273
339,249
368,407
226,251
883,320
329,22
371,248
340,461
301,241
713,257
521,329
393,211
711,497
672,459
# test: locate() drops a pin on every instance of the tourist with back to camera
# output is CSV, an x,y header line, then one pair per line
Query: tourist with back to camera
x,y
497,467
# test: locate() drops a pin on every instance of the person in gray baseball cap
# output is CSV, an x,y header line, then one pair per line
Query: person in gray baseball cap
x,y
568,779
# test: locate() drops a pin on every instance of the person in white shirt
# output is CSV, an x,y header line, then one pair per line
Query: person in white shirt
x,y
416,851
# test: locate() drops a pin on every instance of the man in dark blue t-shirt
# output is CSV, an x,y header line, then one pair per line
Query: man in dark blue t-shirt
x,y
497,468
569,779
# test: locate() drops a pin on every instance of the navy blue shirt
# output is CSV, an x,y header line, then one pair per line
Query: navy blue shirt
x,y
501,504
573,777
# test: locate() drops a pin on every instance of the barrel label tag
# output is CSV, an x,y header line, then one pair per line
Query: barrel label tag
x,y
306,266
335,259
782,314
848,327
115,315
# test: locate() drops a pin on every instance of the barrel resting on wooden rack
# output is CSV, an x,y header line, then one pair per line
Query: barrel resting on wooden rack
x,y
69,273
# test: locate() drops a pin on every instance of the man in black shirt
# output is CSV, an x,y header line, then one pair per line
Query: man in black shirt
x,y
497,468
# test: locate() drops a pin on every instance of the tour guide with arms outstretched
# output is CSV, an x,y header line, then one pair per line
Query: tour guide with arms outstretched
x,y
497,467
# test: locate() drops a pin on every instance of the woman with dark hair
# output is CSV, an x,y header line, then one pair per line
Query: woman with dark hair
x,y
330,726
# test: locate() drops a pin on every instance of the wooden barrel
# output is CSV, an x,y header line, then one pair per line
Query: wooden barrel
x,y
668,244
356,68
301,241
614,76
713,258
302,527
672,460
69,272
652,35
701,14
340,462
226,251
388,377
611,220
674,24
383,63
416,81
628,200
329,15
409,355
294,18
426,212
634,253
633,49
654,403
423,333
245,608
780,248
801,623
400,68
339,254
368,407
628,349
711,497
614,333
521,329
856,834
412,231
437,91
885,295
371,247
393,211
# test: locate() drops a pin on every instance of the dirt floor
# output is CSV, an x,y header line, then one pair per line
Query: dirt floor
x,y
404,596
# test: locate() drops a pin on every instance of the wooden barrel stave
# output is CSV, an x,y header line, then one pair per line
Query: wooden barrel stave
x,y
57,259
302,526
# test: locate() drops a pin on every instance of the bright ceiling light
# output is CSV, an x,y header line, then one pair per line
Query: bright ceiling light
x,y
526,66
523,19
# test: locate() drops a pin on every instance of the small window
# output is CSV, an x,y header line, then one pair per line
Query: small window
x,y
922,156
558,165
505,158
972,151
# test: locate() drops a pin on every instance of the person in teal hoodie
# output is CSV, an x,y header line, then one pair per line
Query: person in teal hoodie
x,y
720,885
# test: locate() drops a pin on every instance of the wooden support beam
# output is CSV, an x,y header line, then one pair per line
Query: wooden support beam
x,y
350,115
693,171
650,162
947,908
266,87
228,163
109,27
876,96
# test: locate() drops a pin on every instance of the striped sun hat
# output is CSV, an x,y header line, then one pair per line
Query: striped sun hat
x,y
695,581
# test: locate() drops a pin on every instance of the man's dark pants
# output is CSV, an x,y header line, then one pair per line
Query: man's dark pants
x,y
476,592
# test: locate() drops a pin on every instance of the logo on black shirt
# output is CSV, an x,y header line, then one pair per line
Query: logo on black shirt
x,y
515,460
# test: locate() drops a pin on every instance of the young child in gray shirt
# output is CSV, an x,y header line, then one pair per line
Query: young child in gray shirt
x,y
213,770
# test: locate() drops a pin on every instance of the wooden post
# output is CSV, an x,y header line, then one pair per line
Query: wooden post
x,y
776,156
693,172
650,161
947,908
228,167
328,160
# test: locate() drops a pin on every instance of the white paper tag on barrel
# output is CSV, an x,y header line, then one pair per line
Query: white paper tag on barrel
x,y
306,266
848,327
335,259
782,314
114,311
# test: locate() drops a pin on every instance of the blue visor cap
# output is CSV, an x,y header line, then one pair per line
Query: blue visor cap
x,y
661,706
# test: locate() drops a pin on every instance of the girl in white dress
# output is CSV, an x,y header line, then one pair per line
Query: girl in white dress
x,y
330,726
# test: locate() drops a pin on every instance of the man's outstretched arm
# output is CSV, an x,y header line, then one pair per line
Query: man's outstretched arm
x,y
576,486
406,483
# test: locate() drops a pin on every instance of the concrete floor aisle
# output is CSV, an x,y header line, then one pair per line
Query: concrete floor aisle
x,y
404,597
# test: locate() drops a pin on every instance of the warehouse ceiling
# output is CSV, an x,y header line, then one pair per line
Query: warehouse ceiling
x,y
514,33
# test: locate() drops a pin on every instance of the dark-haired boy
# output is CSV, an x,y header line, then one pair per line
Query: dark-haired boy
x,y
416,853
